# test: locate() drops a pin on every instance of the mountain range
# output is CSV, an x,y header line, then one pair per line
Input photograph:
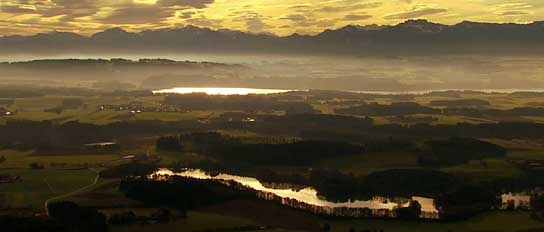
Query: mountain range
x,y
418,37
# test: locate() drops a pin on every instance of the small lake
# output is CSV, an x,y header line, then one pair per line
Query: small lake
x,y
222,91
380,206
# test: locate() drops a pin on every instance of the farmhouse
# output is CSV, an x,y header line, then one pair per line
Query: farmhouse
x,y
5,112
516,201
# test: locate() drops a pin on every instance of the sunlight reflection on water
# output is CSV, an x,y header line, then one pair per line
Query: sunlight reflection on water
x,y
222,91
307,195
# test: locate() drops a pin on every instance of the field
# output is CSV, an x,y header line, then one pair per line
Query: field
x,y
36,186
104,195
269,214
491,221
185,159
195,221
496,100
364,164
75,176
32,108
22,160
57,175
256,214
485,169
527,154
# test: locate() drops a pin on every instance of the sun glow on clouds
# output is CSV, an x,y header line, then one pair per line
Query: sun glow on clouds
x,y
257,16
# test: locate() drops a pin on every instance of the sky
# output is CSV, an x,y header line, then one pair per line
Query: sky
x,y
280,17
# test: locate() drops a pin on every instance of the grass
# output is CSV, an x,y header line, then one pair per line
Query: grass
x,y
453,119
104,195
39,185
537,119
324,108
40,115
379,120
138,211
237,133
267,213
99,117
37,103
120,100
518,144
442,119
526,154
91,116
494,168
195,221
22,159
364,164
33,109
492,221
185,159
175,116
497,100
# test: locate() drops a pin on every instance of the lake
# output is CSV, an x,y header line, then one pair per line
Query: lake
x,y
222,91
246,91
308,199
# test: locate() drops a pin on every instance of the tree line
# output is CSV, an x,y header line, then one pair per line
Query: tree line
x,y
467,107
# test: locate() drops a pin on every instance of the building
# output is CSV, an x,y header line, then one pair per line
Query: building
x,y
516,201
5,112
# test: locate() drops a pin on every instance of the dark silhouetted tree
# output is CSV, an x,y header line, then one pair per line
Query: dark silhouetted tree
x,y
412,212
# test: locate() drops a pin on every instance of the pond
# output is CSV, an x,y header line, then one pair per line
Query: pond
x,y
307,197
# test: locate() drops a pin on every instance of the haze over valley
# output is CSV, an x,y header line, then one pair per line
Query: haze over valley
x,y
395,74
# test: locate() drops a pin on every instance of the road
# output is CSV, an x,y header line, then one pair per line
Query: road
x,y
75,192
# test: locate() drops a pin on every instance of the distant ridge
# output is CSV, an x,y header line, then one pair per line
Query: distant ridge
x,y
410,37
